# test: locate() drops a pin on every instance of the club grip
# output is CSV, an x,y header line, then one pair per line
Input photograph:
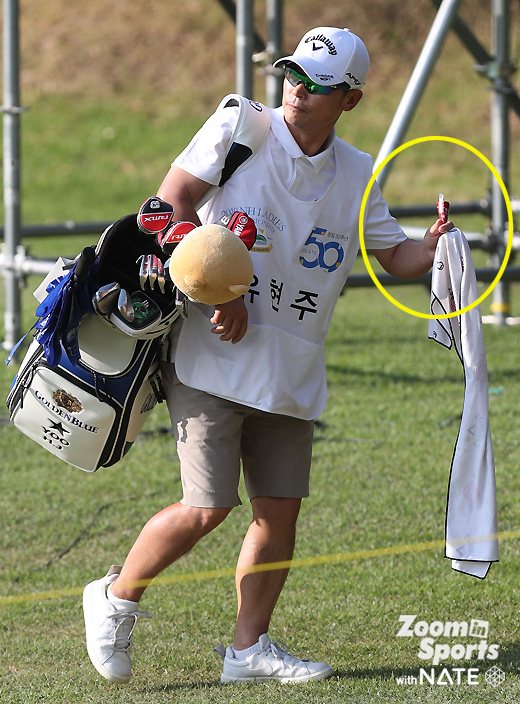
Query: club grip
x,y
83,264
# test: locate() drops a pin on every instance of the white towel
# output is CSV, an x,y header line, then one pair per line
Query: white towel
x,y
471,514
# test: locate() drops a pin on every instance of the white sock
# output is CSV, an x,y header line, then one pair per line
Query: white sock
x,y
121,604
243,654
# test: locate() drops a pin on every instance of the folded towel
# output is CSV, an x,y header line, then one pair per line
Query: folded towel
x,y
471,514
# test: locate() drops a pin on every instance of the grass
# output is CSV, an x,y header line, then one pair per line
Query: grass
x,y
381,458
381,462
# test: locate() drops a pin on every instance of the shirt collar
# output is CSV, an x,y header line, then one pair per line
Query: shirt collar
x,y
284,136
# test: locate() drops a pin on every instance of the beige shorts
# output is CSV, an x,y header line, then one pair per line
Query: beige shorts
x,y
213,435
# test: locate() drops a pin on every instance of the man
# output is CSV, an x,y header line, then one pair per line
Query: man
x,y
303,189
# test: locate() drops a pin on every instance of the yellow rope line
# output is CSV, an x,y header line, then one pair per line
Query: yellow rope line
x,y
287,564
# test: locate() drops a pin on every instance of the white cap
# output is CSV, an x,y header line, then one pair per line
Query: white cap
x,y
328,56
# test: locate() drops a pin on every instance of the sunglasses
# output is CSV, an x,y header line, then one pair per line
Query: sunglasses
x,y
295,78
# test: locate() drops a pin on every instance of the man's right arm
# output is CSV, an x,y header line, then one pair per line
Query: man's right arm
x,y
199,165
182,190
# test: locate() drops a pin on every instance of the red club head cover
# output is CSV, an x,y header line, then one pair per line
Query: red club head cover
x,y
170,239
154,216
242,225
443,208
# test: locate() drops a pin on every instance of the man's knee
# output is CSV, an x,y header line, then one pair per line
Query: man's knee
x,y
207,519
276,510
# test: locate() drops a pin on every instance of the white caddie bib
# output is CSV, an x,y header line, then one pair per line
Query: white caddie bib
x,y
302,257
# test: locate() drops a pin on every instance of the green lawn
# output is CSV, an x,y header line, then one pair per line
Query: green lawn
x,y
381,463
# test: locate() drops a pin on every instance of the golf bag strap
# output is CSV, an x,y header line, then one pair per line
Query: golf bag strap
x,y
254,121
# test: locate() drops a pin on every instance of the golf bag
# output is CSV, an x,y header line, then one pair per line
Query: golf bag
x,y
88,382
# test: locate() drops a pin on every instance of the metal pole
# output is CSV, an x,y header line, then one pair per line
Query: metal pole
x,y
273,82
417,83
11,143
475,48
500,149
244,48
231,9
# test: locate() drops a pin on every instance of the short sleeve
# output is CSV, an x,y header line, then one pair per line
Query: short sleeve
x,y
205,155
382,231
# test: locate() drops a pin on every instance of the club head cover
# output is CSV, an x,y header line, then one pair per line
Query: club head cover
x,y
242,225
154,216
169,240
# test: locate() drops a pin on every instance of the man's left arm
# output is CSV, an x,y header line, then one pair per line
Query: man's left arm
x,y
410,259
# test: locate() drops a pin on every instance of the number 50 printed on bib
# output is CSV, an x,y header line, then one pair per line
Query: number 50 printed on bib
x,y
316,251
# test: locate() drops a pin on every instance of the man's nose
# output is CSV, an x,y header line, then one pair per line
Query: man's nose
x,y
299,90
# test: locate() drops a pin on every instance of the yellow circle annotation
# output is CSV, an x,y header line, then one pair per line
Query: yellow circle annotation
x,y
473,150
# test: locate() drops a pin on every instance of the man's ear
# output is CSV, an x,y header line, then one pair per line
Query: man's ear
x,y
351,99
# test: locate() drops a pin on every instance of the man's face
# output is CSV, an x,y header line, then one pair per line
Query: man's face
x,y
304,111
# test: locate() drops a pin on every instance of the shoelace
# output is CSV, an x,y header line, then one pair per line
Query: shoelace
x,y
279,650
125,627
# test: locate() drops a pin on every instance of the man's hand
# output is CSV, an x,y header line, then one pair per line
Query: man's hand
x,y
230,320
410,259
432,235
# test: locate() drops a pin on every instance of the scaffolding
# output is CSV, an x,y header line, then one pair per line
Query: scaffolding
x,y
251,53
498,68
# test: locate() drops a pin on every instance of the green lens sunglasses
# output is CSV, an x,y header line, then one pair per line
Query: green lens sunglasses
x,y
295,78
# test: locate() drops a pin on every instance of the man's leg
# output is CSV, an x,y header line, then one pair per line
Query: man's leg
x,y
167,536
270,538
253,656
111,605
207,431
276,456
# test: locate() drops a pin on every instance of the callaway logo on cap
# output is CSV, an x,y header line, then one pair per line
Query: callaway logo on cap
x,y
328,56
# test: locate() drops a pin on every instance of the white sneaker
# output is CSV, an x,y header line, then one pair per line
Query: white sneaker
x,y
109,629
272,662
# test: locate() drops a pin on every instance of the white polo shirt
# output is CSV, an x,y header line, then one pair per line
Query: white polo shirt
x,y
306,210
306,177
